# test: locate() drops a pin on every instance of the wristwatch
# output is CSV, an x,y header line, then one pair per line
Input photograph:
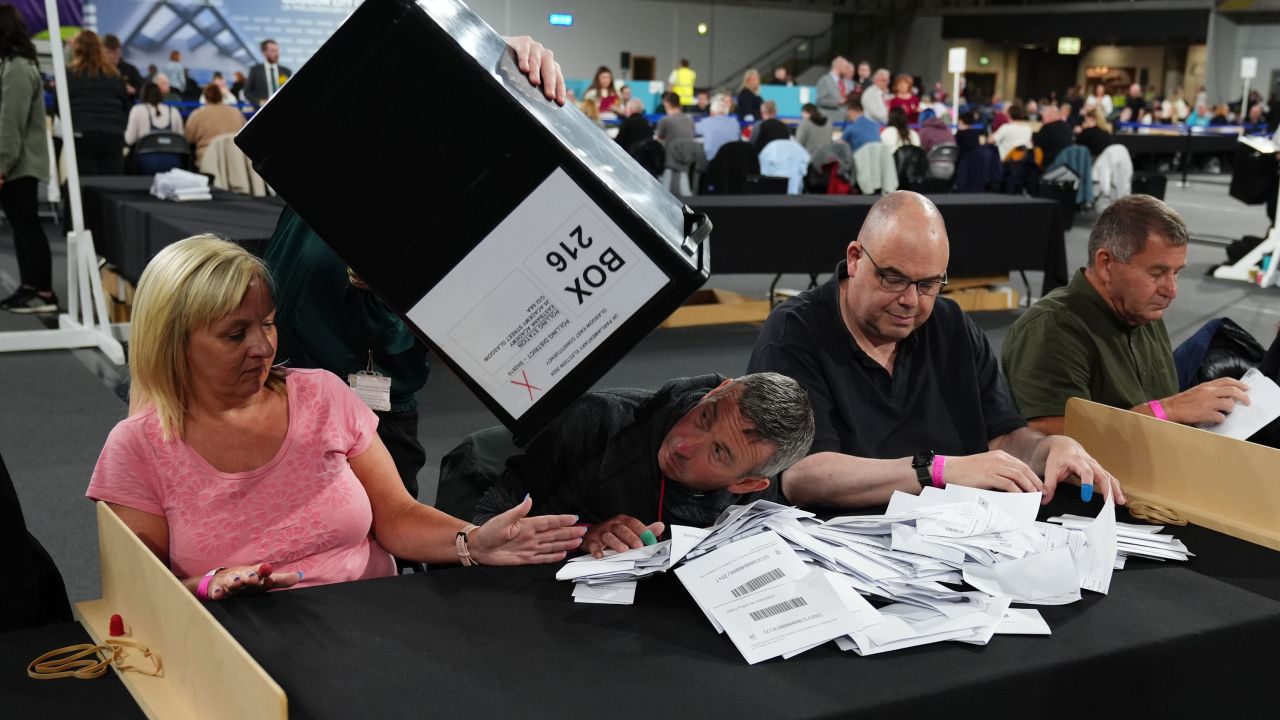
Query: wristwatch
x,y
922,463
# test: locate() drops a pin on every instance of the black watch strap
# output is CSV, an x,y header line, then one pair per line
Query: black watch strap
x,y
922,463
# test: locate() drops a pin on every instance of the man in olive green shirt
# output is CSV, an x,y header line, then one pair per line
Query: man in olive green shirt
x,y
1102,337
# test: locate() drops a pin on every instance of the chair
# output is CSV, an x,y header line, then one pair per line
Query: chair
x,y
831,168
650,154
727,174
942,161
874,169
1077,159
979,170
685,161
159,152
787,159
470,469
1112,173
34,592
912,165
230,168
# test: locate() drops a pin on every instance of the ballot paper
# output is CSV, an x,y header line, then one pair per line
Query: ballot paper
x,y
1047,578
1097,559
767,600
612,579
1263,407
1022,621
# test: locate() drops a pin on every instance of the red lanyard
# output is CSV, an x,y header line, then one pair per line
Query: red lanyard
x,y
662,494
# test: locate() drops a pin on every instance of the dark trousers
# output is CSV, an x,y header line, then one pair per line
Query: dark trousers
x,y
18,200
100,153
399,432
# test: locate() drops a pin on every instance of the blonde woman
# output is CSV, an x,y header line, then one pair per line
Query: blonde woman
x,y
244,476
1095,132
748,107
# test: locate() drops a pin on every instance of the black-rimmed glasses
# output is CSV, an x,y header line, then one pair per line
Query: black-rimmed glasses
x,y
898,284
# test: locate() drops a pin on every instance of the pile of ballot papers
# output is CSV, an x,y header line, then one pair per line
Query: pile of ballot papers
x,y
181,185
778,581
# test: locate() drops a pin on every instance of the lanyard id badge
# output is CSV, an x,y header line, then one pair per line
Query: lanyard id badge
x,y
373,387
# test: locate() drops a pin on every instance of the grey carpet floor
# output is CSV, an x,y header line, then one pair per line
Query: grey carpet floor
x,y
58,406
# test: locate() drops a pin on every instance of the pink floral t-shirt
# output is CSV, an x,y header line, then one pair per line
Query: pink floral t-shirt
x,y
304,510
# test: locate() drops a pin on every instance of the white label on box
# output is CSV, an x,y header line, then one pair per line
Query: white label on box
x,y
533,299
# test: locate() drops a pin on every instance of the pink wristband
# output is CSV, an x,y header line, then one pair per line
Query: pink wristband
x,y
1157,409
202,590
939,462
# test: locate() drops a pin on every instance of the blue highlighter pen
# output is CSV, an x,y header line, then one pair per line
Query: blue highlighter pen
x,y
1086,492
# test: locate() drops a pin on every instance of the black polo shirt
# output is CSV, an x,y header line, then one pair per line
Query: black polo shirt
x,y
946,393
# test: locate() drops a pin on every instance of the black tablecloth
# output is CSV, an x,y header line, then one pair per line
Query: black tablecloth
x,y
22,697
130,225
991,234
1181,639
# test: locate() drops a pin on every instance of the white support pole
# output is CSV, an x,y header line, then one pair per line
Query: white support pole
x,y
77,327
955,66
1244,106
1241,269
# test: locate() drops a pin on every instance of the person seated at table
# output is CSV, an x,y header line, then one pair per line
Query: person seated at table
x,y
814,133
212,119
861,129
1053,136
242,475
677,125
635,128
769,128
906,390
627,461
1103,338
1095,132
1013,134
897,132
933,131
152,114
719,128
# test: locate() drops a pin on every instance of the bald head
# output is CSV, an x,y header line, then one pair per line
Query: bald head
x,y
905,218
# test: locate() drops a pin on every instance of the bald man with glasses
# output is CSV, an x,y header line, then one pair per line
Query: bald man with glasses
x,y
906,390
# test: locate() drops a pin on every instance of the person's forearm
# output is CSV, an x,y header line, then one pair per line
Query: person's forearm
x,y
834,479
1027,444
1049,425
422,533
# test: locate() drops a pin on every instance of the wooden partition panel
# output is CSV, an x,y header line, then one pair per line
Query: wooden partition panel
x,y
207,674
1229,485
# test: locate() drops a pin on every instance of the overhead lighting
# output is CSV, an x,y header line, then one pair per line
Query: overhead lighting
x,y
703,28
560,19
1068,46
984,60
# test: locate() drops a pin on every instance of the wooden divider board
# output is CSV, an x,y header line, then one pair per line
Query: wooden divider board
x,y
1229,485
207,674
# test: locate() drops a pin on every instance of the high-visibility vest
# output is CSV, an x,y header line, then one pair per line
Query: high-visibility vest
x,y
685,79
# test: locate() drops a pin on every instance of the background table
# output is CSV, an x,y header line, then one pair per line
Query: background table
x,y
1180,638
130,225
990,234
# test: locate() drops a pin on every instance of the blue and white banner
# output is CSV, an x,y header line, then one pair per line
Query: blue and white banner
x,y
219,35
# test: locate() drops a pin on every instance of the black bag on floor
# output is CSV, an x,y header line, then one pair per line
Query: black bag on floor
x,y
34,593
1252,175
1239,248
1152,184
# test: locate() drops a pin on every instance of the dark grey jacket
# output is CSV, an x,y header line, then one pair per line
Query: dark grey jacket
x,y
600,459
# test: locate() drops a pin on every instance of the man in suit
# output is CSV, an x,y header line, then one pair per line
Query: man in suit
x,y
266,77
833,88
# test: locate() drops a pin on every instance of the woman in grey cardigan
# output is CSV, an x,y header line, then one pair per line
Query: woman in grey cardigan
x,y
24,163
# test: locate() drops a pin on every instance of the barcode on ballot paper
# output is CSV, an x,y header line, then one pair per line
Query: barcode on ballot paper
x,y
781,607
756,583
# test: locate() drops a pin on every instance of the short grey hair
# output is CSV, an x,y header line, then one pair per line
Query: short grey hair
x,y
1123,228
779,411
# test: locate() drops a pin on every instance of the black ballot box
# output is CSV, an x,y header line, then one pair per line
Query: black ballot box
x,y
525,247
